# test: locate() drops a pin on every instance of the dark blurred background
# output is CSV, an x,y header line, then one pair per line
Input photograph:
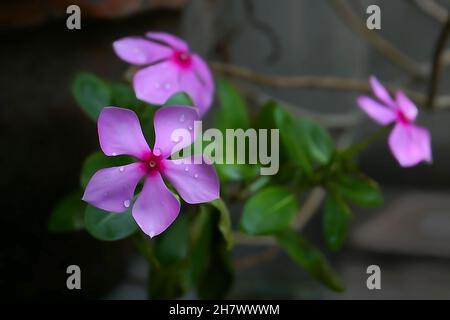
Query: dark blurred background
x,y
44,138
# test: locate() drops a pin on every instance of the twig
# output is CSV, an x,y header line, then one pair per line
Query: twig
x,y
433,9
378,42
437,64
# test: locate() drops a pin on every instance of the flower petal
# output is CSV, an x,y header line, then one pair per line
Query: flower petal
x,y
140,51
120,132
410,144
407,107
380,113
156,207
196,183
198,83
112,189
167,121
169,39
380,92
156,83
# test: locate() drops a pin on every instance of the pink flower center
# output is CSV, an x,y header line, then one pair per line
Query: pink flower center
x,y
153,162
402,118
182,59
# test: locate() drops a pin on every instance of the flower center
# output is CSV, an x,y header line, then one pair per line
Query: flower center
x,y
153,162
182,58
402,118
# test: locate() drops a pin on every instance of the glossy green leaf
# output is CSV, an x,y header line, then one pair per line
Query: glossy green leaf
x,y
224,222
359,189
68,214
309,258
171,246
179,98
109,226
97,161
123,96
233,111
91,94
319,144
335,221
268,211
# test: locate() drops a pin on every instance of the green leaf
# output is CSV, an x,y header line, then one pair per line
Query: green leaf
x,y
237,172
224,222
109,226
97,161
179,98
309,258
335,221
91,94
233,112
123,96
359,189
68,214
169,282
171,246
268,211
319,144
293,139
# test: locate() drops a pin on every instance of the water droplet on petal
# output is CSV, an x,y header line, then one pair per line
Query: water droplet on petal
x,y
176,139
182,117
186,169
167,86
126,203
195,176
121,169
190,127
157,85
157,152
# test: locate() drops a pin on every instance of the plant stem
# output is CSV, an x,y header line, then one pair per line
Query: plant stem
x,y
145,249
363,144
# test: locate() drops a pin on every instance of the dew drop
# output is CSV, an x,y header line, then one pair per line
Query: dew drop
x,y
190,128
126,203
195,176
157,85
167,85
121,169
186,169
157,152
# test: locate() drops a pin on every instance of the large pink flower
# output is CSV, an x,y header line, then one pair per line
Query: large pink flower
x,y
169,67
155,208
410,144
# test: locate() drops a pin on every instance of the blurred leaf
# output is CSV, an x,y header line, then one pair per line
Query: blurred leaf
x,y
179,98
293,139
359,189
123,96
109,226
91,94
309,258
224,222
233,111
169,282
68,214
268,211
265,119
171,246
335,221
237,172
97,161
319,144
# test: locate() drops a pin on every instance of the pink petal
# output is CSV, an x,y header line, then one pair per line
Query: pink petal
x,y
380,92
196,183
140,51
380,113
407,107
119,133
112,189
169,39
156,207
410,144
155,84
199,84
171,118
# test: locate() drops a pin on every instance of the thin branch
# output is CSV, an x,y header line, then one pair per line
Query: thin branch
x,y
433,9
438,55
383,46
305,82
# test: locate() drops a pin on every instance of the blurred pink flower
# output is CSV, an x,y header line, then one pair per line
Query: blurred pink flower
x,y
168,67
112,189
409,143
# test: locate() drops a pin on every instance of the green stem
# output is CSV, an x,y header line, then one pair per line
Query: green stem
x,y
145,249
363,144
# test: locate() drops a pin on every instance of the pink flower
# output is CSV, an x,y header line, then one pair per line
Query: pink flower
x,y
155,208
169,67
409,143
